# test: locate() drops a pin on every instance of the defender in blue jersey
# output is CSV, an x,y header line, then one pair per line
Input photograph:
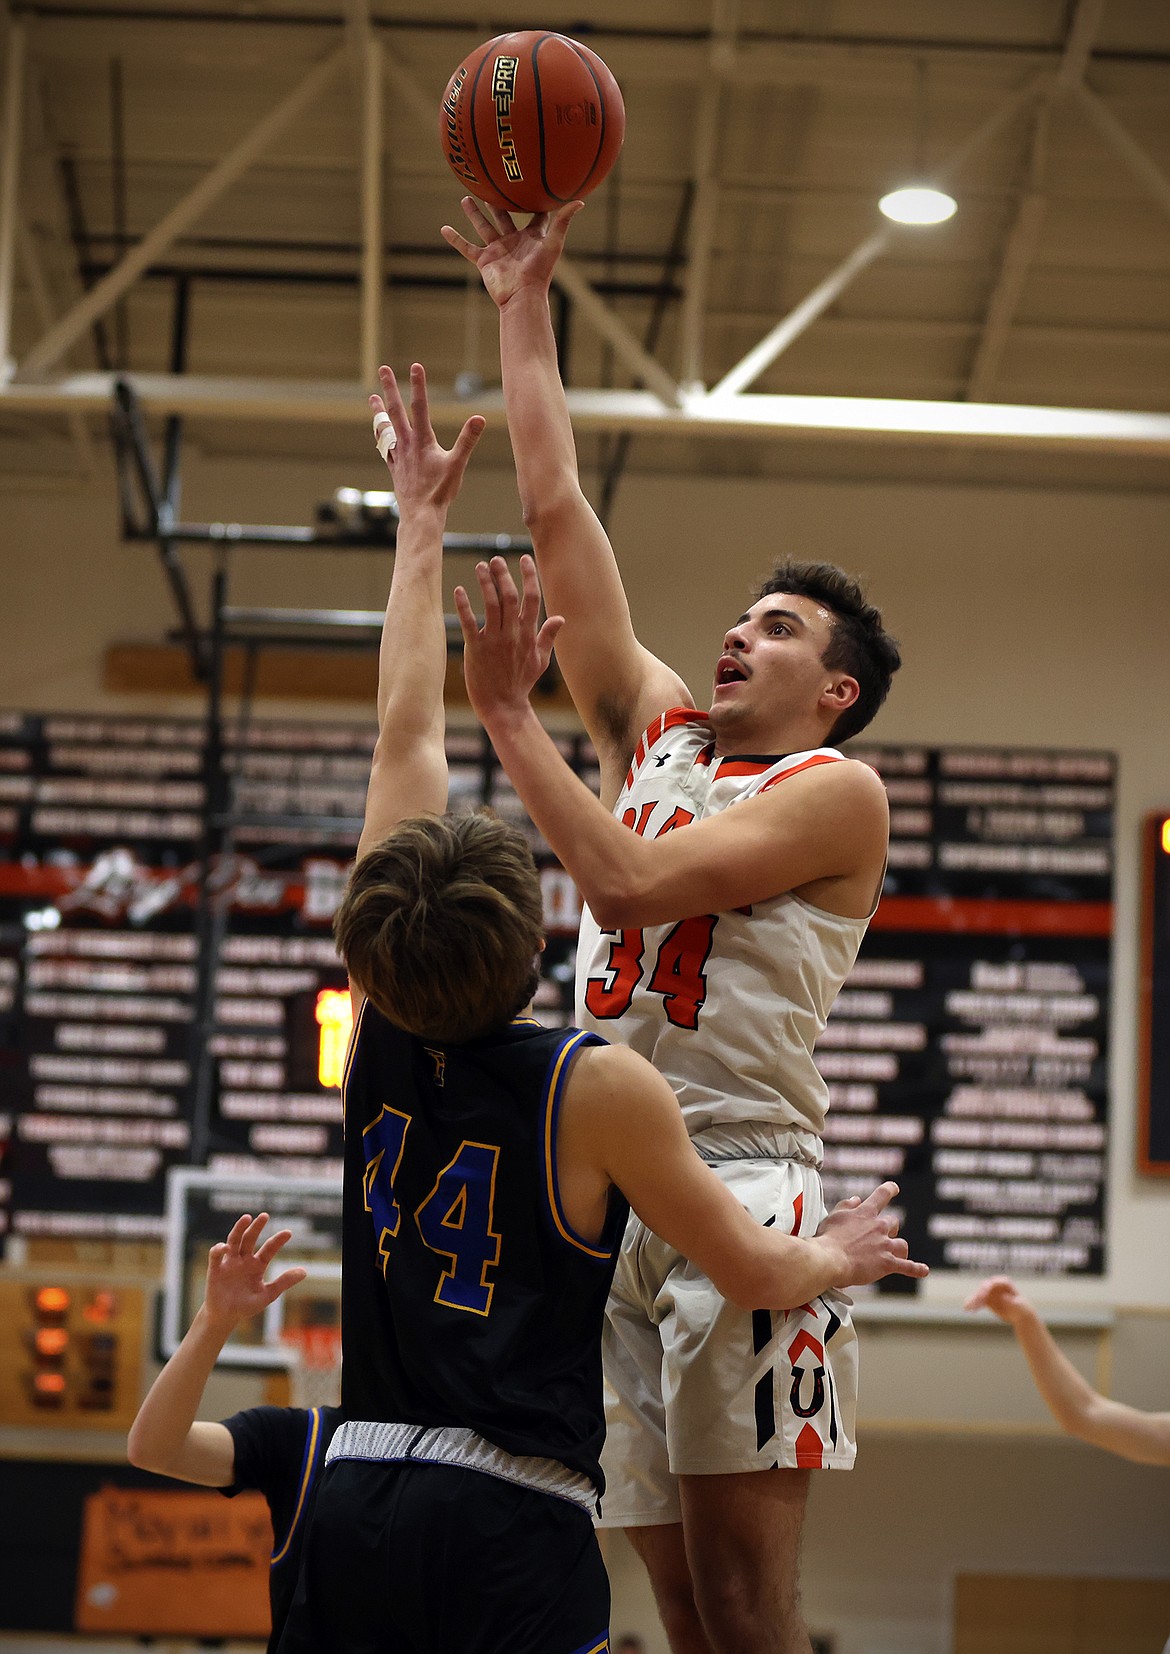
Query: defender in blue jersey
x,y
489,1162
276,1451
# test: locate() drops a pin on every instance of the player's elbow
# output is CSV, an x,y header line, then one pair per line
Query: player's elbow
x,y
1086,1418
608,916
548,507
624,888
738,1290
744,1281
616,902
624,903
142,1453
1102,1422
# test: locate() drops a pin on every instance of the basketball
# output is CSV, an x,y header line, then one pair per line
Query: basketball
x,y
531,120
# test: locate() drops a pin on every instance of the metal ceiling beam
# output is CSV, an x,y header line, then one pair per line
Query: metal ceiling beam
x,y
958,328
1079,43
369,84
790,57
1144,168
610,326
1024,236
814,304
801,317
11,134
1086,430
46,181
43,308
705,204
1018,252
48,350
373,344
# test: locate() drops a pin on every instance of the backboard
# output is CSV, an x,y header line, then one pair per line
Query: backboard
x,y
201,1208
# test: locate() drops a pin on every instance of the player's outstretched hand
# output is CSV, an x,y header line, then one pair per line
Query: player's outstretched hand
x,y
505,657
423,472
507,258
867,1235
1002,1297
236,1287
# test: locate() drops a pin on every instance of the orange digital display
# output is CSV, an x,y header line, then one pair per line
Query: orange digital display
x,y
51,1341
334,1013
101,1307
52,1300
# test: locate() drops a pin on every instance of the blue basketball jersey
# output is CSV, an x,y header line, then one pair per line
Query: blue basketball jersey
x,y
467,1299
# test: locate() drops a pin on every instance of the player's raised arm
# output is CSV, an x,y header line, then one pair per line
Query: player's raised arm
x,y
827,825
1079,1409
620,1117
408,775
166,1437
618,686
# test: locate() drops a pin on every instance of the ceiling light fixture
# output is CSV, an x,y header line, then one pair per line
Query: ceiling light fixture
x,y
918,204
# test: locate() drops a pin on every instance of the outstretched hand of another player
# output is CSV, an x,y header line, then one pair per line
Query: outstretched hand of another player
x,y
867,1235
236,1288
507,258
505,657
424,473
1002,1297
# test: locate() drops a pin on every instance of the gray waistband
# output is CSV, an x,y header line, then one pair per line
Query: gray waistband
x,y
757,1140
452,1445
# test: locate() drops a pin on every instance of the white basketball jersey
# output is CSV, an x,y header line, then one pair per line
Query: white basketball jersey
x,y
727,1006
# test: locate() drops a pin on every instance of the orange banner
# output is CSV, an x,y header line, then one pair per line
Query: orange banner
x,y
183,1564
1006,917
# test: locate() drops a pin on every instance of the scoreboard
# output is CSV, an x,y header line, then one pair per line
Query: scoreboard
x,y
1154,1121
965,1056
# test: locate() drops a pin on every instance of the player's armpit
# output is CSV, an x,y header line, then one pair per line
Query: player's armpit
x,y
821,831
207,1457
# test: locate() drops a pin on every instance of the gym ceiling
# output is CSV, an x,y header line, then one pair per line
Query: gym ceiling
x,y
282,157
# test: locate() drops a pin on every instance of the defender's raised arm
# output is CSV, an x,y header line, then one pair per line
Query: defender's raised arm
x,y
409,771
166,1437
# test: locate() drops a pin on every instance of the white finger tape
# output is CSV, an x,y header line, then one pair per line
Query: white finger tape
x,y
384,435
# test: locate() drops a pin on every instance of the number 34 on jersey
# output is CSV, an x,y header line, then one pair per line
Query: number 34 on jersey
x,y
677,971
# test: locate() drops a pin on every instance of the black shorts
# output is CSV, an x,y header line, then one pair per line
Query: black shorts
x,y
415,1558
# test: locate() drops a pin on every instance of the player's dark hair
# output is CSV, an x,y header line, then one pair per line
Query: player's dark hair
x,y
441,924
859,645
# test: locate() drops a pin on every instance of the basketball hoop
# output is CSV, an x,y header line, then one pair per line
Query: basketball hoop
x,y
314,1370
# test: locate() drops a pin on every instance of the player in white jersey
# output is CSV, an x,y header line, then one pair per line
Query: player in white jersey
x,y
755,985
716,951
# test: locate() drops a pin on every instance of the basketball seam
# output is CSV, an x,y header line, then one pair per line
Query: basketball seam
x,y
487,171
540,113
601,105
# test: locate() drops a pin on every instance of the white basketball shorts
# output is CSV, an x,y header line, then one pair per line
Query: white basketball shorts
x,y
696,1386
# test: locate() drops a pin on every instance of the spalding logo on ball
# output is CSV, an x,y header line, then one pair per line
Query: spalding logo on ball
x,y
531,120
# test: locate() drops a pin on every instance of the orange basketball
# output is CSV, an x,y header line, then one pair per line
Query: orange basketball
x,y
531,120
